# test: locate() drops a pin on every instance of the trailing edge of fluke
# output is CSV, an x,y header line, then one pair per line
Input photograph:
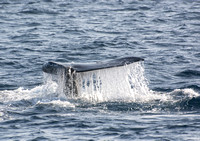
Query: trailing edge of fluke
x,y
54,67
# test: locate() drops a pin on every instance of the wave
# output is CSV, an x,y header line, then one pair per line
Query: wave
x,y
38,11
189,73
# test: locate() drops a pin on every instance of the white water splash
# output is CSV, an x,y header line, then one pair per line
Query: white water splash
x,y
57,104
126,83
39,92
43,95
179,94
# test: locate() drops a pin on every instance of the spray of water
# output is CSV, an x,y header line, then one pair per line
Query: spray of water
x,y
126,83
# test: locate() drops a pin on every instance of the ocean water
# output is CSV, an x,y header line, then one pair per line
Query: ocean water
x,y
158,99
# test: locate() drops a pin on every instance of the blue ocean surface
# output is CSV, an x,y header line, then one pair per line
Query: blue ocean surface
x,y
158,99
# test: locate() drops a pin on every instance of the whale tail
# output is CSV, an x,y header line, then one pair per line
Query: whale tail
x,y
70,70
54,67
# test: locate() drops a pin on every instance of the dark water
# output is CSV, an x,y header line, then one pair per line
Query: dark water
x,y
165,33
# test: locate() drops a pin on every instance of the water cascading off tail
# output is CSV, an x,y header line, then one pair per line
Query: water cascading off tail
x,y
125,83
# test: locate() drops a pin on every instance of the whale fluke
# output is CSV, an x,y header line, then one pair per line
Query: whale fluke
x,y
70,70
54,67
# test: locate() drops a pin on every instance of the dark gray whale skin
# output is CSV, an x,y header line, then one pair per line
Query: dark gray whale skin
x,y
54,67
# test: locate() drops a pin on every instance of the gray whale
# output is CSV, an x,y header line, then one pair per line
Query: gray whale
x,y
69,70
